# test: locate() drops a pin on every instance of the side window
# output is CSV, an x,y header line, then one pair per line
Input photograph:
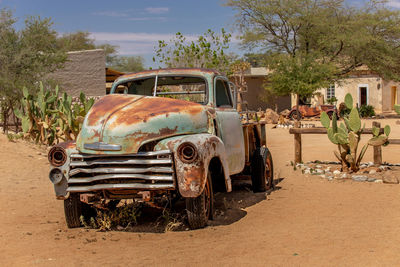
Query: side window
x,y
222,95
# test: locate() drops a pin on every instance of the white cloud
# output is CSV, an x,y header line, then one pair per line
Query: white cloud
x,y
147,18
157,10
395,3
110,13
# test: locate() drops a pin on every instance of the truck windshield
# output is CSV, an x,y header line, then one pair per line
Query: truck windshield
x,y
179,87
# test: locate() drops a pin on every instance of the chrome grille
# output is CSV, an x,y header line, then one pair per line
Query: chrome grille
x,y
142,171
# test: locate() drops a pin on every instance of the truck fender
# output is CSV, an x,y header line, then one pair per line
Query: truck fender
x,y
191,176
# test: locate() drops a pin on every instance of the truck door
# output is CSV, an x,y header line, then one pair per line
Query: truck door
x,y
229,125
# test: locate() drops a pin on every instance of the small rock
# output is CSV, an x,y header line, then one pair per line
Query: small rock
x,y
372,171
120,228
371,179
318,166
344,176
382,168
307,171
370,164
336,172
359,178
328,169
378,181
322,176
363,166
390,180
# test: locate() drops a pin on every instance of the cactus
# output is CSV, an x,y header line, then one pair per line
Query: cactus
x,y
347,136
47,118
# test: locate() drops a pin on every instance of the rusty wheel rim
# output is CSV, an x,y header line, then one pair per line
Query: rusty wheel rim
x,y
207,200
268,173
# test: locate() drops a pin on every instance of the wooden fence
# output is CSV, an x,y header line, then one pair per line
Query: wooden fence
x,y
297,132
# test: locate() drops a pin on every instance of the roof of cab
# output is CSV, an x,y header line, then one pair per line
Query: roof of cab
x,y
179,71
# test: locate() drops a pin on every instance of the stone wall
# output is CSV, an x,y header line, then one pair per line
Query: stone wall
x,y
83,71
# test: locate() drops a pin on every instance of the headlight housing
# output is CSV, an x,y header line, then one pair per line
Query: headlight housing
x,y
57,156
55,176
187,152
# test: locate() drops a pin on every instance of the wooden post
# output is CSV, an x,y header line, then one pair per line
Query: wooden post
x,y
377,149
297,144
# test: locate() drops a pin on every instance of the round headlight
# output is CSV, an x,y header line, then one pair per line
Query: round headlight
x,y
55,176
57,156
187,152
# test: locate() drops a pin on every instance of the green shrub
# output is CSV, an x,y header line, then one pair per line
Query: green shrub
x,y
367,111
344,110
332,100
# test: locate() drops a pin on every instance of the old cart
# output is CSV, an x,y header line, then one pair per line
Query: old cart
x,y
161,133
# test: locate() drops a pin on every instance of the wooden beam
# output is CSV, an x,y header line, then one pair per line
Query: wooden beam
x,y
322,130
377,149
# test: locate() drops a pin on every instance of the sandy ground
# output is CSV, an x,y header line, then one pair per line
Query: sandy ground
x,y
305,221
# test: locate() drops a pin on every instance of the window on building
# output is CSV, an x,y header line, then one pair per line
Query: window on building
x,y
330,91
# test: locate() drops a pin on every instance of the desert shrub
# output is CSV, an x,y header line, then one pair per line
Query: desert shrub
x,y
105,220
332,100
343,110
367,111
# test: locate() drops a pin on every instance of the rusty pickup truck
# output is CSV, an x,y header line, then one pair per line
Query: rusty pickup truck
x,y
161,134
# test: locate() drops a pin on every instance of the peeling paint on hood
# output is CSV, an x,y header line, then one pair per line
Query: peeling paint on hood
x,y
133,120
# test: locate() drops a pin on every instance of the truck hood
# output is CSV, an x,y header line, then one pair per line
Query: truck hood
x,y
133,120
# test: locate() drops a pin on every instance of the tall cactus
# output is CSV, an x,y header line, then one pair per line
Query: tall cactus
x,y
347,136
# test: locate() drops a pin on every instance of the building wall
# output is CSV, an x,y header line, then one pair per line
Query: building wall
x,y
352,85
83,71
379,92
255,96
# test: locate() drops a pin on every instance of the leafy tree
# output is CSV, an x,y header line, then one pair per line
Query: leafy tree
x,y
208,51
81,40
26,56
128,63
326,39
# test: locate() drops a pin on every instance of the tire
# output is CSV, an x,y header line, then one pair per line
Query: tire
x,y
74,209
200,209
262,170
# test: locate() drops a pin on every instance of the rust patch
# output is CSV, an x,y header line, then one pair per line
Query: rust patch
x,y
150,107
106,104
141,137
67,144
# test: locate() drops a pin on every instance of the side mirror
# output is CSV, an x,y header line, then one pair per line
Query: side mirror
x,y
233,90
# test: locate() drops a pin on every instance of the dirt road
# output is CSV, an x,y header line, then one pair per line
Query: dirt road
x,y
306,221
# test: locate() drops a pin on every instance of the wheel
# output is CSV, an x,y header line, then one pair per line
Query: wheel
x,y
293,116
200,209
262,170
74,209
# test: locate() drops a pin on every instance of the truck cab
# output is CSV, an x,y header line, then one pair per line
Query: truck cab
x,y
166,132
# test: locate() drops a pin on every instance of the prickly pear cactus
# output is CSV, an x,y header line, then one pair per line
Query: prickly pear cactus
x,y
347,136
47,118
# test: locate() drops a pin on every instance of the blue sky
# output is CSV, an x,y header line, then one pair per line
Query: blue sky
x,y
135,25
